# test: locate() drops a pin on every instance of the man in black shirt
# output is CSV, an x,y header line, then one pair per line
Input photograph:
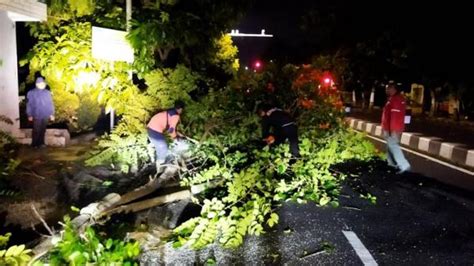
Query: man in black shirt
x,y
281,125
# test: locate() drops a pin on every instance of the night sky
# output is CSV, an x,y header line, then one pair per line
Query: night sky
x,y
438,34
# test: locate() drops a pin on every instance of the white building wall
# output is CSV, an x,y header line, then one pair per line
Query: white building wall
x,y
9,99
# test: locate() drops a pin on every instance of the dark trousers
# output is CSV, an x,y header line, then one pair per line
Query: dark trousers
x,y
291,133
39,130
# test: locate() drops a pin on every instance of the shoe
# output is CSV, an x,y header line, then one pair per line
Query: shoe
x,y
392,165
402,171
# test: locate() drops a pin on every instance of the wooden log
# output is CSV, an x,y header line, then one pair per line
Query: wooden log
x,y
149,203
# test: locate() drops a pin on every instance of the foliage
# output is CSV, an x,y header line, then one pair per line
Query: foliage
x,y
369,197
72,7
126,153
14,255
272,85
87,113
75,249
5,138
226,55
105,13
84,7
300,90
168,85
253,183
247,183
8,161
64,57
186,28
149,37
321,99
337,64
224,115
4,239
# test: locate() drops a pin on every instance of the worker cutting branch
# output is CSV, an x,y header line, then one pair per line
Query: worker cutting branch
x,y
277,127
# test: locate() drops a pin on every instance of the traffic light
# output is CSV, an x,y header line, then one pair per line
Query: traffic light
x,y
257,65
327,80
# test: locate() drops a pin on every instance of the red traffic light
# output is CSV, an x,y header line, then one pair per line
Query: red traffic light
x,y
257,64
327,79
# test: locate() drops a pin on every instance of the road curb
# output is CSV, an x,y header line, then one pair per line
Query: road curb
x,y
455,153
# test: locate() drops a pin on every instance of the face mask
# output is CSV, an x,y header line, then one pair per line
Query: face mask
x,y
41,85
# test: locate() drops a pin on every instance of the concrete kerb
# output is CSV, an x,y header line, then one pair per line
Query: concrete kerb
x,y
370,128
410,139
446,150
378,131
53,137
430,145
470,158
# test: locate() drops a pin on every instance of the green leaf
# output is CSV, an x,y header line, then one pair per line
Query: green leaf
x,y
107,183
211,261
324,200
273,219
281,168
109,243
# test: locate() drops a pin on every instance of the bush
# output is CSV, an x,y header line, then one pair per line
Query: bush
x,y
88,113
8,161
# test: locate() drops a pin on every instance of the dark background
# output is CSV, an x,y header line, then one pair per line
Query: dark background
x,y
436,35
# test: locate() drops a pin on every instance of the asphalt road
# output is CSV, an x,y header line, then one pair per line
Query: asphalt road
x,y
433,168
416,220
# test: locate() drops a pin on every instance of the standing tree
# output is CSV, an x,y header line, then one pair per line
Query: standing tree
x,y
165,33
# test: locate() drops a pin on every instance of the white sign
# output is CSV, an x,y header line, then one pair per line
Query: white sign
x,y
407,119
236,33
111,45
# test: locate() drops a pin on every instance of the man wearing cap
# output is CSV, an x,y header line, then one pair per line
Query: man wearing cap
x,y
283,127
162,123
40,109
393,124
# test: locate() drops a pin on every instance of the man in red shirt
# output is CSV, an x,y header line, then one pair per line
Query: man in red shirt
x,y
393,124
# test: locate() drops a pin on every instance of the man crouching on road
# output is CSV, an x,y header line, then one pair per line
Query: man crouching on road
x,y
282,125
393,124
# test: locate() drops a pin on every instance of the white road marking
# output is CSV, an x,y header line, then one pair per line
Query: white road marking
x,y
359,248
429,158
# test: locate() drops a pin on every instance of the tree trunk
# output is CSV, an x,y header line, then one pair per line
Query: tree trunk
x,y
164,53
149,203
433,103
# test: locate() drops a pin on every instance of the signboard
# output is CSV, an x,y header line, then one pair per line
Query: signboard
x,y
111,45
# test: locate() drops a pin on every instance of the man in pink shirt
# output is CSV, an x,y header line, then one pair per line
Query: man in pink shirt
x,y
163,123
